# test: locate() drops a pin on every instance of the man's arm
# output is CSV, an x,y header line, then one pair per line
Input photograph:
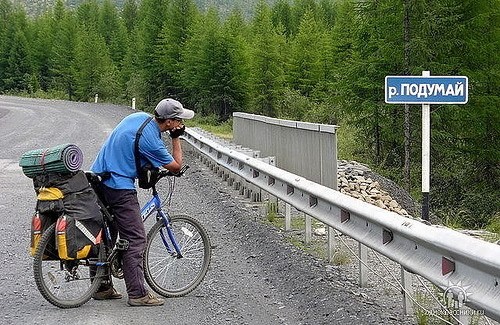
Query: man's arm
x,y
175,165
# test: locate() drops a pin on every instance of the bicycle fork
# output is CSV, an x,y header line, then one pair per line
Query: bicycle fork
x,y
176,251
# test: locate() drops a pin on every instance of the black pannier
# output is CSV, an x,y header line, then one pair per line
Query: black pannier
x,y
69,201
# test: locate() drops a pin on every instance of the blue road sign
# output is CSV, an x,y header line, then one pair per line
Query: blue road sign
x,y
426,90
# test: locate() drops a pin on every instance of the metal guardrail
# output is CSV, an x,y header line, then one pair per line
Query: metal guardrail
x,y
461,265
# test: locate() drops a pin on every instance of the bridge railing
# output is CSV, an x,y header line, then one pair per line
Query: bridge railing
x,y
442,256
306,149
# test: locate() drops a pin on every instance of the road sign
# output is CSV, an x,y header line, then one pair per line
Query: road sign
x,y
426,90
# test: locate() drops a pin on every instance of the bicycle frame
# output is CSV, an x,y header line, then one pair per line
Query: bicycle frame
x,y
154,205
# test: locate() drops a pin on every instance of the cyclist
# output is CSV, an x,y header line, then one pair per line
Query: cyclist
x,y
118,191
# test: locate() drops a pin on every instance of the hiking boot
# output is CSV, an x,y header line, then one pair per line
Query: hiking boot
x,y
147,300
110,293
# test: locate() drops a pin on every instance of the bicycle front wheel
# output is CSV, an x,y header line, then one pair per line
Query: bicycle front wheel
x,y
65,284
167,273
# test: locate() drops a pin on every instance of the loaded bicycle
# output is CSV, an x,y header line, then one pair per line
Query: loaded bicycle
x,y
176,258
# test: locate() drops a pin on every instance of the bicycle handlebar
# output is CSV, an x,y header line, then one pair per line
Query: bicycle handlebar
x,y
166,172
98,178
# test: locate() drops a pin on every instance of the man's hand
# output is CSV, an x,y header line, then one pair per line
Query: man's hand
x,y
177,132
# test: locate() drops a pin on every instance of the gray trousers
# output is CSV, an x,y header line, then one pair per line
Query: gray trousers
x,y
127,219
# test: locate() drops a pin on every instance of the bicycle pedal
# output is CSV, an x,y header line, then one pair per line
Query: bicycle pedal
x,y
122,244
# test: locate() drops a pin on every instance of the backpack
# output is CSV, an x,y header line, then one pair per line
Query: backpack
x,y
147,175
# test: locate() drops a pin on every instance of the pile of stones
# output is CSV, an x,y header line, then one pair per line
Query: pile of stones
x,y
356,180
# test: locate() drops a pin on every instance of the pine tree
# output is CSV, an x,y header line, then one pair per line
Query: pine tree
x,y
236,31
299,9
6,16
65,32
112,28
152,15
376,52
460,39
267,77
326,13
306,69
42,31
88,14
132,74
282,17
130,15
17,64
168,53
95,72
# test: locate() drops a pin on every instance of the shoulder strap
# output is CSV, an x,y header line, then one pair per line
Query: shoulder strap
x,y
136,144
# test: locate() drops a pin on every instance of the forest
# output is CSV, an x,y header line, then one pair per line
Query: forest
x,y
36,7
320,61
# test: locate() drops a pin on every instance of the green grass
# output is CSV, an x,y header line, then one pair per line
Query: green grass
x,y
494,225
341,257
211,124
317,247
272,212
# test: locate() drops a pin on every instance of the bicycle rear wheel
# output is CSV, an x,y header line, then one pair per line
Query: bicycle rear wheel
x,y
65,284
168,274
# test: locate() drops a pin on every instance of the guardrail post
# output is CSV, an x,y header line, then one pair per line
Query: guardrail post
x,y
257,195
288,217
236,182
407,284
363,269
331,243
243,189
248,191
308,228
273,200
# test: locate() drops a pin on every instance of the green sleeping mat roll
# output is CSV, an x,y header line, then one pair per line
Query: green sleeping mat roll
x,y
64,158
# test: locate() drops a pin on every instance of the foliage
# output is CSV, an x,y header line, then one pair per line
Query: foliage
x,y
267,68
212,124
494,226
313,60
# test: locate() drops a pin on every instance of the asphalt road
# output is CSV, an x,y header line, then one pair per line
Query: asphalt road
x,y
255,277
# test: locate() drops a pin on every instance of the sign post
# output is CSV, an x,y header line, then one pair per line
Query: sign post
x,y
426,156
426,90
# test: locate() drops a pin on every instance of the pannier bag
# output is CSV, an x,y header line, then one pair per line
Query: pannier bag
x,y
36,232
38,226
64,197
67,200
76,239
48,208
78,230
